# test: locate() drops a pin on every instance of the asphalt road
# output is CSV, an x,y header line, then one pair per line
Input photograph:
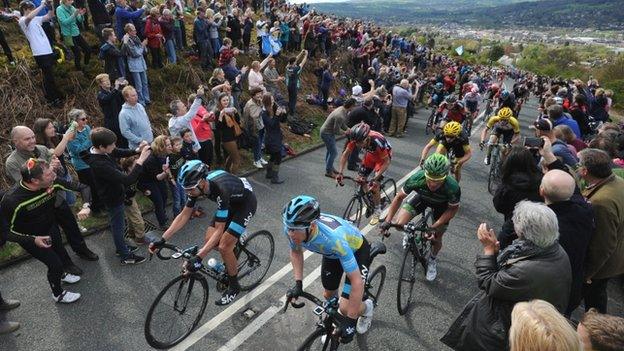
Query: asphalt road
x,y
115,299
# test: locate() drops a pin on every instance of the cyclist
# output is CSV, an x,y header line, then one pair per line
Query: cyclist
x,y
506,99
456,110
521,93
504,124
472,99
236,204
377,160
431,187
437,95
452,139
344,249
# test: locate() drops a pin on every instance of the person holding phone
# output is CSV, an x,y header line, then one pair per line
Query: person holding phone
x,y
27,208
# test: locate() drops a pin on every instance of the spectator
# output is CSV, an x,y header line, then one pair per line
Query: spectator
x,y
155,177
247,28
134,49
272,78
255,75
537,326
155,38
293,71
40,46
202,126
110,101
46,135
605,259
180,117
261,30
175,161
599,107
576,225
578,111
202,38
227,122
5,46
113,58
226,52
188,150
101,13
213,32
111,183
327,77
79,144
601,332
253,125
533,267
133,120
235,27
400,98
68,18
125,15
335,124
566,134
132,212
544,127
557,117
167,25
34,229
271,116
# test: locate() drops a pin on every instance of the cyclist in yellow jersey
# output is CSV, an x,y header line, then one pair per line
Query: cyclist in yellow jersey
x,y
505,125
451,141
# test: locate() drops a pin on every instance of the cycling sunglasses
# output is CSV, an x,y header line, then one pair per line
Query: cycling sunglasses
x,y
31,164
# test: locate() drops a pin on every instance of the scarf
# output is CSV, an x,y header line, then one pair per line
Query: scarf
x,y
519,248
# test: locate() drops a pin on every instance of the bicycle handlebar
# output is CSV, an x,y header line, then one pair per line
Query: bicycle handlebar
x,y
410,227
186,253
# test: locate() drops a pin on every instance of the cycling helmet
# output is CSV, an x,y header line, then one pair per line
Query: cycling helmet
x,y
452,129
439,86
459,105
359,132
494,87
301,211
451,99
191,173
505,95
505,113
436,167
558,100
474,90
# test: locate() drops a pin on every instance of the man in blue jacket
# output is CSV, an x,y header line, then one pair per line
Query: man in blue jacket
x,y
556,115
125,15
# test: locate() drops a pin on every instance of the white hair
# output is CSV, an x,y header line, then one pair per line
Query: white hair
x,y
536,223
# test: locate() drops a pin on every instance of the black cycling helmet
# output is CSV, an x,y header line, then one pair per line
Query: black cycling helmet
x,y
191,173
301,211
359,132
451,99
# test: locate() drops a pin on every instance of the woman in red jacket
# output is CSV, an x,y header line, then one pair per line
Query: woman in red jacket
x,y
155,38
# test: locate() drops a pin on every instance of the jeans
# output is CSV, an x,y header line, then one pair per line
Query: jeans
x,y
171,51
179,198
157,61
292,98
117,222
257,149
216,46
158,195
177,37
332,151
205,54
141,85
85,176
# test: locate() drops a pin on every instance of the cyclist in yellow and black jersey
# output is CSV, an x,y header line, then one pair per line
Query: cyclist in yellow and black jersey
x,y
451,141
503,125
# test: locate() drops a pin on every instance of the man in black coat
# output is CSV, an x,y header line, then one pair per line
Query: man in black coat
x,y
576,225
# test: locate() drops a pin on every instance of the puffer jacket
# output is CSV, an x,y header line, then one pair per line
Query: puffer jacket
x,y
539,273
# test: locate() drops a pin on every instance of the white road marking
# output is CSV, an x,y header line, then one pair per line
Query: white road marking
x,y
269,313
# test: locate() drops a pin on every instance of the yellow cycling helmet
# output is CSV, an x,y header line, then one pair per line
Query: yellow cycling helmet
x,y
452,129
505,113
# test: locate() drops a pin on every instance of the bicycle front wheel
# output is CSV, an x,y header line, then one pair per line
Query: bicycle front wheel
x,y
318,340
494,176
388,192
407,278
254,254
374,283
353,212
176,311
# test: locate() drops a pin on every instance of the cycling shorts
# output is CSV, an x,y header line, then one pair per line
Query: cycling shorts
x,y
239,214
370,163
507,134
472,106
331,270
415,206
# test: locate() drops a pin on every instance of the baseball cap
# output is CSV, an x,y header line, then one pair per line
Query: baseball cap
x,y
543,124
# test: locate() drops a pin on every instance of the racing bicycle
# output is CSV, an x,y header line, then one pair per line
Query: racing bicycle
x,y
496,162
417,248
180,305
329,318
353,211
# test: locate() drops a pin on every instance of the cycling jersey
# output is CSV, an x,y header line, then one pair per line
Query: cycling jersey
x,y
501,124
448,193
452,115
459,145
377,150
335,238
236,202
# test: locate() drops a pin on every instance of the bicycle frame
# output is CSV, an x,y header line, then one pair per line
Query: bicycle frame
x,y
187,254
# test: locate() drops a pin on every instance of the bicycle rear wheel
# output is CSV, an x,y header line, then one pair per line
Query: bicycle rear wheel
x,y
430,122
407,278
374,283
353,212
176,311
318,340
494,175
254,254
388,192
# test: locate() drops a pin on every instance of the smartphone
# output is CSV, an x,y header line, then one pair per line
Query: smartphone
x,y
533,142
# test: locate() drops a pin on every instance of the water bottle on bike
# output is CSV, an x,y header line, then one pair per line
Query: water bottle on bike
x,y
216,265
